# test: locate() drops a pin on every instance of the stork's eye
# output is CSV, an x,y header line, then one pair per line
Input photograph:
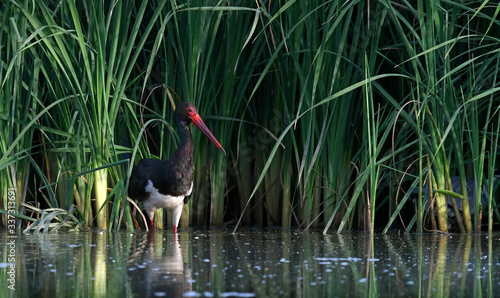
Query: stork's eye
x,y
190,111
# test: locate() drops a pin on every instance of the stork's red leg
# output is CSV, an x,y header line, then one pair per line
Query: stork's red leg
x,y
175,229
152,224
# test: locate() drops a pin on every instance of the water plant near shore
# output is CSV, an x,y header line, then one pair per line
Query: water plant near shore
x,y
330,110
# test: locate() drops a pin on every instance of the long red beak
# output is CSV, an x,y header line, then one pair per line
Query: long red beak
x,y
198,122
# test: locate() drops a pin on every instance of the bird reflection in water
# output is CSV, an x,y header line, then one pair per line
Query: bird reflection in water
x,y
159,266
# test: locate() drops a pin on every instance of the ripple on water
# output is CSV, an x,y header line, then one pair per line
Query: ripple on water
x,y
236,294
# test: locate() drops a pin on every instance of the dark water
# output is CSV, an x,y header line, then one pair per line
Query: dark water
x,y
251,263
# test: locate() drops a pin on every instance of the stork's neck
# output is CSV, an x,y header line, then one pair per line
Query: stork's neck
x,y
185,138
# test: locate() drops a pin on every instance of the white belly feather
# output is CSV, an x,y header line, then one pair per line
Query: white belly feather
x,y
158,200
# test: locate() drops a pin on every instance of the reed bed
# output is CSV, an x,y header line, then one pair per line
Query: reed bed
x,y
331,112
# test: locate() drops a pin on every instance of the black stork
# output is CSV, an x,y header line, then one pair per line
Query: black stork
x,y
169,183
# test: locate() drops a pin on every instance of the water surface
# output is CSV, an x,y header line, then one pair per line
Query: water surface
x,y
250,263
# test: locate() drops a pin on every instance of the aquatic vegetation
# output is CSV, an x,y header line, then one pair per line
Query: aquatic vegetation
x,y
330,111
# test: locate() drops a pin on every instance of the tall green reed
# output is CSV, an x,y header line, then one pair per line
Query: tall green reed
x,y
318,104
19,90
441,53
93,58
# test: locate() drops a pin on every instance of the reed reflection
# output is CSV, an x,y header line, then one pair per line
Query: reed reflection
x,y
100,270
272,263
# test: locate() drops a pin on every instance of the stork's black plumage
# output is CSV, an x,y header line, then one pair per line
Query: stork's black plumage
x,y
169,183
